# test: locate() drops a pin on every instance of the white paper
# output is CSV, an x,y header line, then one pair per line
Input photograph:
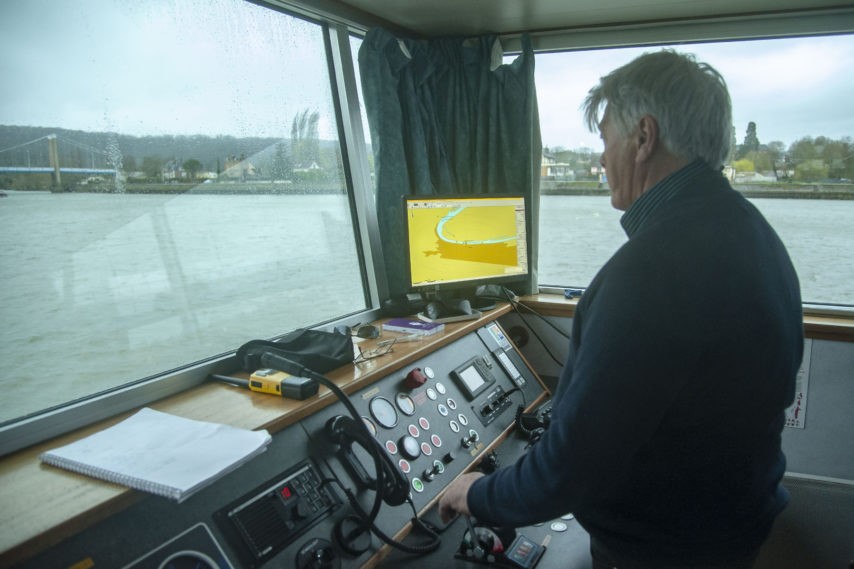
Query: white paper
x,y
160,453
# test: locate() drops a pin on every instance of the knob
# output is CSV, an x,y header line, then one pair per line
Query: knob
x,y
317,554
409,447
300,510
415,378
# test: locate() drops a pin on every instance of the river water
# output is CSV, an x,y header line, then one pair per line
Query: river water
x,y
100,289
578,234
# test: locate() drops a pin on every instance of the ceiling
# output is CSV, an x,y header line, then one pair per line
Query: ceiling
x,y
470,17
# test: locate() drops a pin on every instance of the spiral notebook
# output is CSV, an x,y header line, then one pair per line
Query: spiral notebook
x,y
160,453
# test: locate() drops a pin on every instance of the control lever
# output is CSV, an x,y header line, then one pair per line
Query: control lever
x,y
477,549
472,438
499,547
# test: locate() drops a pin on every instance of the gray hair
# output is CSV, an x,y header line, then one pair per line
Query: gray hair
x,y
689,100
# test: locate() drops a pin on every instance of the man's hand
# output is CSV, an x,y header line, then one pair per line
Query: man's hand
x,y
455,499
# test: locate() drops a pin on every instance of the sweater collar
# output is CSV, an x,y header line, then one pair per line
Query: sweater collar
x,y
660,193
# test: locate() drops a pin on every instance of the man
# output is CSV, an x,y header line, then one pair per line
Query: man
x,y
666,422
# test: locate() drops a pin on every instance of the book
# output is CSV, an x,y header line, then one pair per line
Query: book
x,y
160,453
413,326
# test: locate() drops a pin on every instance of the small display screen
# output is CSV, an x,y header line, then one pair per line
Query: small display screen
x,y
472,378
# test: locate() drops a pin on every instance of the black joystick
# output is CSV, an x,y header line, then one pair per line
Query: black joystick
x,y
472,438
317,554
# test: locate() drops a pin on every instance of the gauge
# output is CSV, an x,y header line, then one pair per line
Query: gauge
x,y
405,404
383,412
370,425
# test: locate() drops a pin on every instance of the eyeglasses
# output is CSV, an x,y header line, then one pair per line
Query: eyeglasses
x,y
367,331
381,349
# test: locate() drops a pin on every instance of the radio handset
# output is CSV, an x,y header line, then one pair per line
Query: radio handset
x,y
344,431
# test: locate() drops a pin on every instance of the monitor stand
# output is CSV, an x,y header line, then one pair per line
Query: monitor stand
x,y
444,308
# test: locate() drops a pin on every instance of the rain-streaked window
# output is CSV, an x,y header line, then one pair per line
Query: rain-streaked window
x,y
172,187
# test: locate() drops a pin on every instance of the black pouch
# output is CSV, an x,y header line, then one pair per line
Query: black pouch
x,y
317,350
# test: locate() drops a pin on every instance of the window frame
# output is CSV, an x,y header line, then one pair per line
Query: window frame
x,y
46,424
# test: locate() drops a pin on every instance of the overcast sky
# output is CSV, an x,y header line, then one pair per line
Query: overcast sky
x,y
790,88
233,68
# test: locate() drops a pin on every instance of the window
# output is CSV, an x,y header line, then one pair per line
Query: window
x,y
797,96
200,202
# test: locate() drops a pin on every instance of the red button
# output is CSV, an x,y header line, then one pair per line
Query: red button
x,y
391,447
425,448
413,430
404,466
437,442
425,424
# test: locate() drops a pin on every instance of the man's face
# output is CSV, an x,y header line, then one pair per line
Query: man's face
x,y
618,159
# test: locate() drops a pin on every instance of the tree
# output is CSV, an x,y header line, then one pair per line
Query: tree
x,y
733,146
803,149
130,163
810,171
744,165
192,167
777,153
281,167
762,161
751,141
153,167
305,143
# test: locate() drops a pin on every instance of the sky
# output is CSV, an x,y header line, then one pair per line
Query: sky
x,y
164,67
790,88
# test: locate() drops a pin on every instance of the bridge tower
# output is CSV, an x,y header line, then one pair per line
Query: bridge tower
x,y
53,153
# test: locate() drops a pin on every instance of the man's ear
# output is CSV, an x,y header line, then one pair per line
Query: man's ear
x,y
646,138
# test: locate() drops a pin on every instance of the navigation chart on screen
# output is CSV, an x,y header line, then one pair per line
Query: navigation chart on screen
x,y
452,240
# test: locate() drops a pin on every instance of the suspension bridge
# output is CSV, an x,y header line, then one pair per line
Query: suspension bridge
x,y
42,156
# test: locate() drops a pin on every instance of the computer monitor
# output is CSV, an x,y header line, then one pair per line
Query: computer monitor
x,y
457,242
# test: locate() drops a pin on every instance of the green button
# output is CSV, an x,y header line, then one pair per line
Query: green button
x,y
417,485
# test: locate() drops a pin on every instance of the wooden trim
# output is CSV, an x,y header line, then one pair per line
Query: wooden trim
x,y
836,328
819,327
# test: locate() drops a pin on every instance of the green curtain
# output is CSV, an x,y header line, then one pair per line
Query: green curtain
x,y
447,117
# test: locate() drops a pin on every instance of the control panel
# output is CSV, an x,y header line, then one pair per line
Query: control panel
x,y
264,521
341,488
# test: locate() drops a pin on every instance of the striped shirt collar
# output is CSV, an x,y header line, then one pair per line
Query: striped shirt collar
x,y
660,193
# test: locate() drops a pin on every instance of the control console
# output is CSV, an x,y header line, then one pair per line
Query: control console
x,y
341,488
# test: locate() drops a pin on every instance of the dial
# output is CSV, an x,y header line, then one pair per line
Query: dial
x,y
383,412
405,404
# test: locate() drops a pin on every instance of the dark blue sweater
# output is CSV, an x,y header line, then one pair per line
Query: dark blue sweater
x,y
666,423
